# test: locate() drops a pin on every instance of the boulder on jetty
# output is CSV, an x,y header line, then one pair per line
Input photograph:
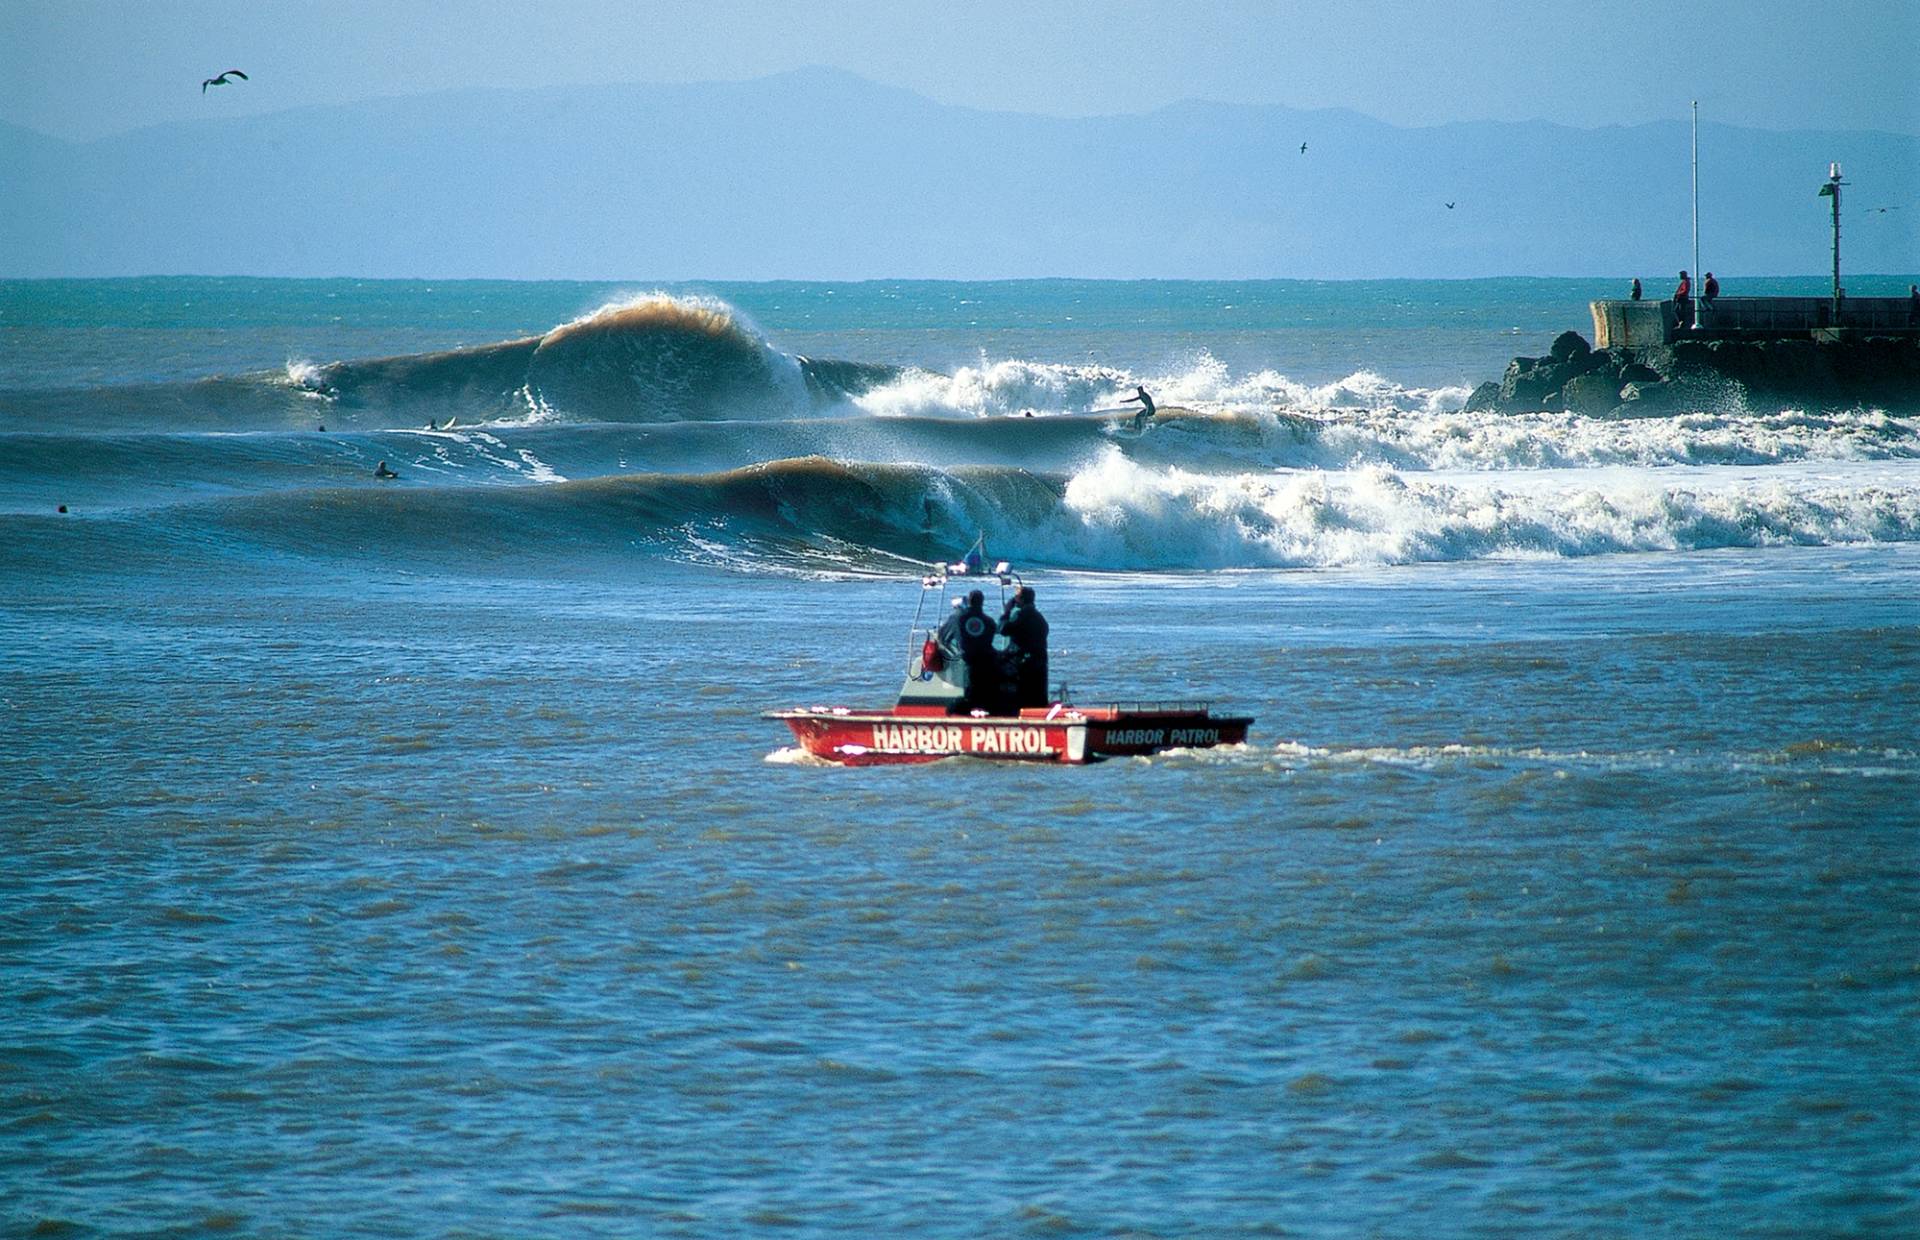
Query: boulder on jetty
x,y
1654,380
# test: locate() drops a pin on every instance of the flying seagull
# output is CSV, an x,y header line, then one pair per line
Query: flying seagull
x,y
1303,148
1449,206
222,80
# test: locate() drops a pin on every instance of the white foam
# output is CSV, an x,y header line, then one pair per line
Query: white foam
x,y
306,376
994,389
793,755
537,470
1208,384
1367,418
1013,386
1494,441
1118,513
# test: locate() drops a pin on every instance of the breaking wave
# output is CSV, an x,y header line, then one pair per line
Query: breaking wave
x,y
652,358
648,359
1113,514
659,360
669,426
129,469
1452,440
1125,514
1014,387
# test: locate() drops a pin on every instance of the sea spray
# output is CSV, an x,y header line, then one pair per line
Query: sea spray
x,y
995,389
1011,387
1131,516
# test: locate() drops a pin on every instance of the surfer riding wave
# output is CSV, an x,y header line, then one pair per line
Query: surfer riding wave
x,y
1146,407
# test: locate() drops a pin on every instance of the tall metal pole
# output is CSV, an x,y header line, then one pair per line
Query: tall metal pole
x,y
1834,180
1696,214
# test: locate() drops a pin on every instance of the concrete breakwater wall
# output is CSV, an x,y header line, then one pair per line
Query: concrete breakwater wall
x,y
1652,380
1639,324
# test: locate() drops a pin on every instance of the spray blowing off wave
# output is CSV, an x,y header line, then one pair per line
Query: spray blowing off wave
x,y
671,358
1113,514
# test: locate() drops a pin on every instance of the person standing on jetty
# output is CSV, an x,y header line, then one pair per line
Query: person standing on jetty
x,y
1683,301
1634,293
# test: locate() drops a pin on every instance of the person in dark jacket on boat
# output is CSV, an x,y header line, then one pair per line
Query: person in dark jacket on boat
x,y
1026,632
969,632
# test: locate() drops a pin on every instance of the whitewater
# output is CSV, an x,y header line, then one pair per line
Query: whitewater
x,y
369,836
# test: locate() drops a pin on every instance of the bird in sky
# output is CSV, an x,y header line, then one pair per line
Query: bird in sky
x,y
1449,206
222,80
1303,148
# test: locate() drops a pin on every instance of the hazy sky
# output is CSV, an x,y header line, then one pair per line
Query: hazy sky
x,y
83,68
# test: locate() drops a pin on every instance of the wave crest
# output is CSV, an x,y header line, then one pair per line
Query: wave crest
x,y
663,358
1113,514
654,357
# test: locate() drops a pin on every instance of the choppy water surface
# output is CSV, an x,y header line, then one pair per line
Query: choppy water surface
x,y
412,859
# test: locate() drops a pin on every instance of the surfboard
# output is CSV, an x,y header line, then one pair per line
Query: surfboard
x,y
1124,420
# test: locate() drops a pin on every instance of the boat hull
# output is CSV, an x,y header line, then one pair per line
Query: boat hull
x,y
1118,731
1059,734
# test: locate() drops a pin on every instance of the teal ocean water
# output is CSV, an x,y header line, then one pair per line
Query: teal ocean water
x,y
408,856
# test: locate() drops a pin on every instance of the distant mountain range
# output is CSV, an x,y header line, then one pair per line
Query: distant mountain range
x,y
819,174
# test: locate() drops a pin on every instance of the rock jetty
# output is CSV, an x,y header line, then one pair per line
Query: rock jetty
x,y
1656,380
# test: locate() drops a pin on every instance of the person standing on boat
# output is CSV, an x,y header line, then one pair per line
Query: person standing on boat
x,y
969,631
1026,632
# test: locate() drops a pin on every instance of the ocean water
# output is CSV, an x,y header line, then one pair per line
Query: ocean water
x,y
409,856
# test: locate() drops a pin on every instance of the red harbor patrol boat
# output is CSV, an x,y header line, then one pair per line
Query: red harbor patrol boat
x,y
925,724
